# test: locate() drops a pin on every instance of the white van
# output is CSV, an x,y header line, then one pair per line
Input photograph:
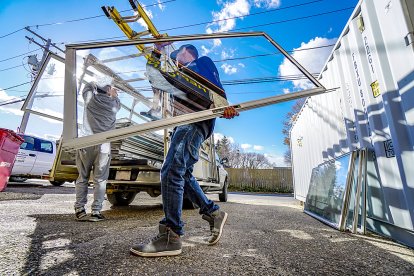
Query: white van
x,y
34,159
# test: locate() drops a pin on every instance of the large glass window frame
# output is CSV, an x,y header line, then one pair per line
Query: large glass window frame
x,y
71,140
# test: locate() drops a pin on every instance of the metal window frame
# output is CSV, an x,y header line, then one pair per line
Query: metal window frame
x,y
70,140
30,96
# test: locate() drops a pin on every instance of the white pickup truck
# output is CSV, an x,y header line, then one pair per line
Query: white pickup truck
x,y
34,160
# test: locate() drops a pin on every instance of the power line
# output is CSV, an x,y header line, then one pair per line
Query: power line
x,y
272,54
91,17
76,20
16,85
21,29
20,55
293,19
235,17
6,69
254,26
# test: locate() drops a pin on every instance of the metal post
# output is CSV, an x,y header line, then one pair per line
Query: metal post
x,y
70,125
358,193
349,181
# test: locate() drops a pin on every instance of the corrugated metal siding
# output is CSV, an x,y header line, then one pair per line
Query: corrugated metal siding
x,y
364,60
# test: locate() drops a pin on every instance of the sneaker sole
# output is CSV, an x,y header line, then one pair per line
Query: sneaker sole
x,y
82,218
221,230
156,254
95,219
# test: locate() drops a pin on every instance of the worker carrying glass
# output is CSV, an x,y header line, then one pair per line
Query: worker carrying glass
x,y
101,103
177,180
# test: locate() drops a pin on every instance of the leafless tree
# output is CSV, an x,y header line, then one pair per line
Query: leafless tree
x,y
287,125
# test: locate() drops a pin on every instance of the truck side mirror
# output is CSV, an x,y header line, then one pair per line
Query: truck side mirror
x,y
224,161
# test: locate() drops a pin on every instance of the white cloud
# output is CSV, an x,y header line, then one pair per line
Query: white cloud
x,y
228,69
216,42
267,3
229,10
160,5
141,21
245,146
204,50
277,160
286,91
219,136
257,147
10,108
312,60
241,65
227,54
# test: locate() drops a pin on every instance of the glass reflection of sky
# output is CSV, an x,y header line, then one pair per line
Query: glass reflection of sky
x,y
327,187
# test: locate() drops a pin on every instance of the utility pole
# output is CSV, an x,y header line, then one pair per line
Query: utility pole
x,y
36,65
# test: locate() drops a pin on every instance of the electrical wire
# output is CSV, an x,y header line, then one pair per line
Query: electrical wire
x,y
21,29
293,19
20,55
16,85
91,17
214,21
6,69
272,54
76,20
235,17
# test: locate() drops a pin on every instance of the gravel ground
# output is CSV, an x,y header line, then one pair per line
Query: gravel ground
x,y
265,235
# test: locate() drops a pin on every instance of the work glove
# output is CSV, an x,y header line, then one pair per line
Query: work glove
x,y
230,112
159,46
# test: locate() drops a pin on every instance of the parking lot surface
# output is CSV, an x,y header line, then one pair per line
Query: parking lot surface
x,y
265,235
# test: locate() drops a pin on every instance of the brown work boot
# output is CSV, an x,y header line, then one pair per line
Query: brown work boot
x,y
166,243
216,221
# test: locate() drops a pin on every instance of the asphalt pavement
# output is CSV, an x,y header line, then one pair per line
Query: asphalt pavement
x,y
266,234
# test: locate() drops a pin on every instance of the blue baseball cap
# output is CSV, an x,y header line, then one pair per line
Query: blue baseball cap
x,y
188,47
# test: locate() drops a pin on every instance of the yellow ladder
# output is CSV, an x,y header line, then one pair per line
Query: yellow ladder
x,y
122,23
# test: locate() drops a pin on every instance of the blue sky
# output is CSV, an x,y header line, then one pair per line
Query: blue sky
x,y
310,23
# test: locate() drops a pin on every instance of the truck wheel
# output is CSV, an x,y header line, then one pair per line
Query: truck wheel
x,y
56,183
121,198
223,194
188,204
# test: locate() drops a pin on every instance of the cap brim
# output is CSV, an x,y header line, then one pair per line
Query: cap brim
x,y
174,54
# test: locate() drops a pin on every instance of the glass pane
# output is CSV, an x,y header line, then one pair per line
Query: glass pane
x,y
327,188
181,78
48,95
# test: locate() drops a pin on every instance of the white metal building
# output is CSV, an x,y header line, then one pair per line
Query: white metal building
x,y
372,63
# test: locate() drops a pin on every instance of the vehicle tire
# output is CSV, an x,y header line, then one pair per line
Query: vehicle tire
x,y
56,183
17,179
223,194
189,205
121,198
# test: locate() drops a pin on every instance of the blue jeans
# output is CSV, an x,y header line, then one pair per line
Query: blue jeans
x,y
177,180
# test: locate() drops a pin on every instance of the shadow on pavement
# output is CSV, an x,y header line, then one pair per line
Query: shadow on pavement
x,y
264,240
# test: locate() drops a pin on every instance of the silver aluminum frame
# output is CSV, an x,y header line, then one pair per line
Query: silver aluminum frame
x,y
70,139
30,95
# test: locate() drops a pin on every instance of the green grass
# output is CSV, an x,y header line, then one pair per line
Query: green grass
x,y
259,190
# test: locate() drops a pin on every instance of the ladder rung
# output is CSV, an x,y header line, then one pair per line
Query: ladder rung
x,y
141,34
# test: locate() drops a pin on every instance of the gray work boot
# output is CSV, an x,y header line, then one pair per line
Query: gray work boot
x,y
166,243
216,221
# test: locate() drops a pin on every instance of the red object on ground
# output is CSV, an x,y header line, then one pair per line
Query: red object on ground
x,y
9,146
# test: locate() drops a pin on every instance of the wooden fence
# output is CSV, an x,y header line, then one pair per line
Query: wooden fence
x,y
267,180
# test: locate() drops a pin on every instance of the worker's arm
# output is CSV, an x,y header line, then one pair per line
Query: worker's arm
x,y
113,93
